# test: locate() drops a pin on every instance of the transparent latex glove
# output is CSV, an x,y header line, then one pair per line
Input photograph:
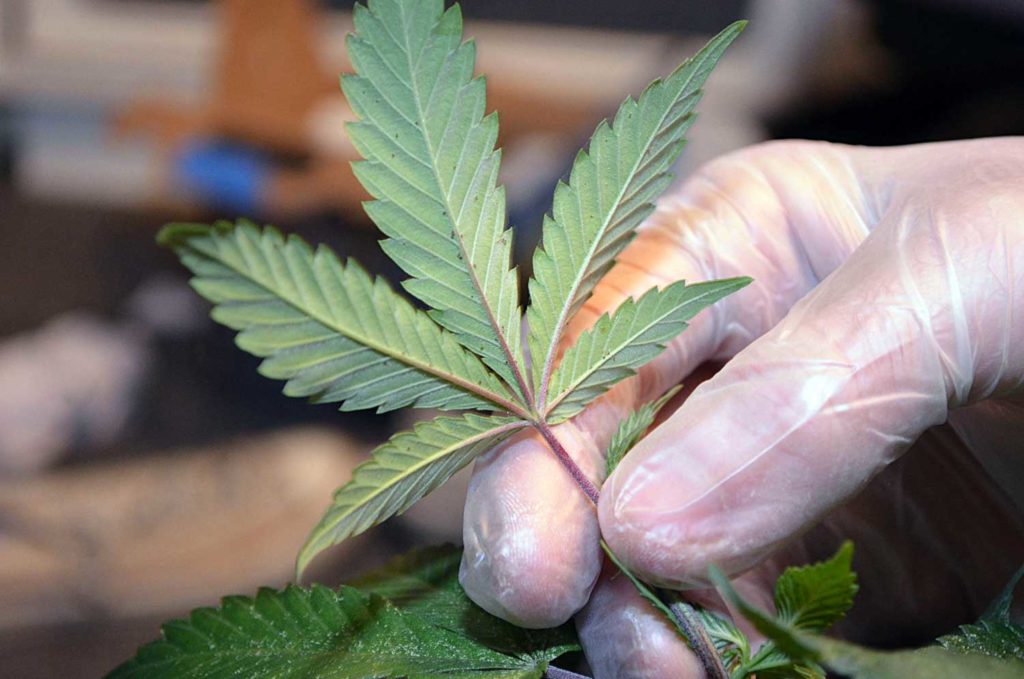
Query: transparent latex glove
x,y
887,308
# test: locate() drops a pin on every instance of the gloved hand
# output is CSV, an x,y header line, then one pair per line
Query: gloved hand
x,y
888,299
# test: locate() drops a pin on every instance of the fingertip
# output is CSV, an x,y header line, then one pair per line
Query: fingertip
x,y
531,538
623,636
678,504
523,589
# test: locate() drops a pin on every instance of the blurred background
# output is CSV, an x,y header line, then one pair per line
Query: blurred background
x,y
145,467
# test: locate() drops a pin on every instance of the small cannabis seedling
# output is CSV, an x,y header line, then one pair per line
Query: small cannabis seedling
x,y
336,334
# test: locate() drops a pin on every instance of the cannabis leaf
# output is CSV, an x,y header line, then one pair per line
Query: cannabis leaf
x,y
807,598
432,168
426,582
997,639
814,597
303,633
408,619
611,189
331,330
616,345
862,663
632,429
729,641
336,334
401,471
994,634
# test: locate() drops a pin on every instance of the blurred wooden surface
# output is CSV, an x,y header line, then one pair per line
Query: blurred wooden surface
x,y
154,535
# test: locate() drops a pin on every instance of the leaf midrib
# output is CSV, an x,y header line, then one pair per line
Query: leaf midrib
x,y
445,193
628,341
429,368
559,328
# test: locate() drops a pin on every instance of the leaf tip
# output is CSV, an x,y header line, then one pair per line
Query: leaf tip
x,y
306,555
176,235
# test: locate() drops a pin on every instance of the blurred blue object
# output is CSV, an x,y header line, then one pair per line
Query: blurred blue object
x,y
223,174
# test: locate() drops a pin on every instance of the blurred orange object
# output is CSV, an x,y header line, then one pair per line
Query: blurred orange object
x,y
267,80
269,83
271,90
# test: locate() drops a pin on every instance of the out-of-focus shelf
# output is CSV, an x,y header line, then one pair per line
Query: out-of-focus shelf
x,y
105,52
67,65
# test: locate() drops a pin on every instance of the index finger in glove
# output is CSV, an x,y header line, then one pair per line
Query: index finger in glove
x,y
920,319
530,536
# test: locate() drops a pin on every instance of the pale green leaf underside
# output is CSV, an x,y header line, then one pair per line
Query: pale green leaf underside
x,y
431,166
611,189
301,633
813,597
617,345
403,470
632,429
333,332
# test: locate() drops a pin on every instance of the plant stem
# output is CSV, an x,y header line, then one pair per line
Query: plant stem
x,y
588,488
559,673
681,612
700,642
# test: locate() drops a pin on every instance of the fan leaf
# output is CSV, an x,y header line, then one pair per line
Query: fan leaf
x,y
334,634
403,470
426,582
431,167
611,189
617,345
333,332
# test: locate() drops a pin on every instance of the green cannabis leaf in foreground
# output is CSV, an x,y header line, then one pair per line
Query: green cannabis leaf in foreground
x,y
336,334
808,598
995,633
410,619
818,594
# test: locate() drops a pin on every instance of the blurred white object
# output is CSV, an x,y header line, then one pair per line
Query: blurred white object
x,y
326,127
67,384
166,305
